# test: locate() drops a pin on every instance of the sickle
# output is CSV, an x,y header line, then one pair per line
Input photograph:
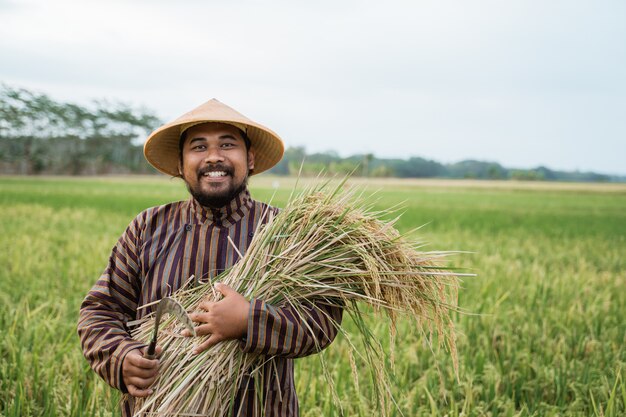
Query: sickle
x,y
171,306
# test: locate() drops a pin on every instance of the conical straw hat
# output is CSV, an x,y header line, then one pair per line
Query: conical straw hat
x,y
162,152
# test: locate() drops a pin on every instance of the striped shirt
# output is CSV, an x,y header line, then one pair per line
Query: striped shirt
x,y
160,249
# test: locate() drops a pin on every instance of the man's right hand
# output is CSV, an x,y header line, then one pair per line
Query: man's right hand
x,y
139,373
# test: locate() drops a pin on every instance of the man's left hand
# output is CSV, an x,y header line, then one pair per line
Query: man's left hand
x,y
223,320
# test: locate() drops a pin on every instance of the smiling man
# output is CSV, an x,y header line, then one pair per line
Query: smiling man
x,y
215,160
214,149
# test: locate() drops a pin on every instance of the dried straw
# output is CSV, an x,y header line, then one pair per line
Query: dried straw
x,y
327,246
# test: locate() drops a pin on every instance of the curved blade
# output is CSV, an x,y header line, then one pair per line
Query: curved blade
x,y
171,306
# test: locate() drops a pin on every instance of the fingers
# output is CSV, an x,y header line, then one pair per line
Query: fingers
x,y
225,289
139,361
212,340
204,330
203,318
133,371
139,373
139,382
199,317
139,377
206,305
137,392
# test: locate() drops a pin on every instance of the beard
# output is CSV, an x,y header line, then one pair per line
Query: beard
x,y
217,199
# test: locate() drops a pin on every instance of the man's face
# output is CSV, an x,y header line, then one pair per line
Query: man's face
x,y
215,163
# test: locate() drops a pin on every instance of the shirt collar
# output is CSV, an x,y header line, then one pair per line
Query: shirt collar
x,y
228,215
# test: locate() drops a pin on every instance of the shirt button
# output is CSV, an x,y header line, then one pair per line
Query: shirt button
x,y
251,234
188,227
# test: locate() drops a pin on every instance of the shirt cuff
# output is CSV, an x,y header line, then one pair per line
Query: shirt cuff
x,y
249,341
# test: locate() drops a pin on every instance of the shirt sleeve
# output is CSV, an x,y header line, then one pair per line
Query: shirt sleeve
x,y
109,305
291,332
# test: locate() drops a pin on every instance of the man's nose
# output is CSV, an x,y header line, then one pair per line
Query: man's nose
x,y
214,154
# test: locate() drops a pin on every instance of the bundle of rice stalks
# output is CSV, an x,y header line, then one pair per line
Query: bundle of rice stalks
x,y
326,246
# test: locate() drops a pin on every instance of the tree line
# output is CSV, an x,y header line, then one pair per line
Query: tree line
x,y
40,135
368,165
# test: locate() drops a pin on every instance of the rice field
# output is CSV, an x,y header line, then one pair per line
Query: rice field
x,y
544,333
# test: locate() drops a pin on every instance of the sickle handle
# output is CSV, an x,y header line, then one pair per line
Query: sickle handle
x,y
151,352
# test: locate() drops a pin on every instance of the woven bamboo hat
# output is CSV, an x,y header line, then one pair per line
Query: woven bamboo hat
x,y
162,147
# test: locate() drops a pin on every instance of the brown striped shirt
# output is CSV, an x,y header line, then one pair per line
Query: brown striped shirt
x,y
161,248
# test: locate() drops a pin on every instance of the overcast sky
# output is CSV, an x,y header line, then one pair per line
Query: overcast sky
x,y
520,82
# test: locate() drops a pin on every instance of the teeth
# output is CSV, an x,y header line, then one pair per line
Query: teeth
x,y
215,174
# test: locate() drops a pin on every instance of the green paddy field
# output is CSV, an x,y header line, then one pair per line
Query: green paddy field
x,y
544,333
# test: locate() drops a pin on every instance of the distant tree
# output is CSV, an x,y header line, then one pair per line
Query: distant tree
x,y
527,175
418,168
41,135
476,169
382,171
294,158
496,172
546,173
366,165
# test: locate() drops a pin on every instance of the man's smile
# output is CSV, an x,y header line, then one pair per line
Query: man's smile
x,y
214,173
214,176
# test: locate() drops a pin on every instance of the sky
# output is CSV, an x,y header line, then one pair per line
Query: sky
x,y
520,82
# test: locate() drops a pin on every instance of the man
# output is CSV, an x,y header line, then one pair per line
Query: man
x,y
213,149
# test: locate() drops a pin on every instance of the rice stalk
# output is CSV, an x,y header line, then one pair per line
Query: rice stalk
x,y
326,247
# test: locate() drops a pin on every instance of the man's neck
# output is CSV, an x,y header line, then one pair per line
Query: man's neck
x,y
235,209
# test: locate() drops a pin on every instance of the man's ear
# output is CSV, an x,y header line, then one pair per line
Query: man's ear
x,y
251,159
180,168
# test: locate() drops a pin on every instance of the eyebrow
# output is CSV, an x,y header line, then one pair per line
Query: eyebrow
x,y
222,137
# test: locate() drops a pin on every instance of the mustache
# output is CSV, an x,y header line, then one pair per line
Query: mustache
x,y
215,167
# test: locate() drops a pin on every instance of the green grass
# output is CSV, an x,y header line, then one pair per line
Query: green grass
x,y
545,332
